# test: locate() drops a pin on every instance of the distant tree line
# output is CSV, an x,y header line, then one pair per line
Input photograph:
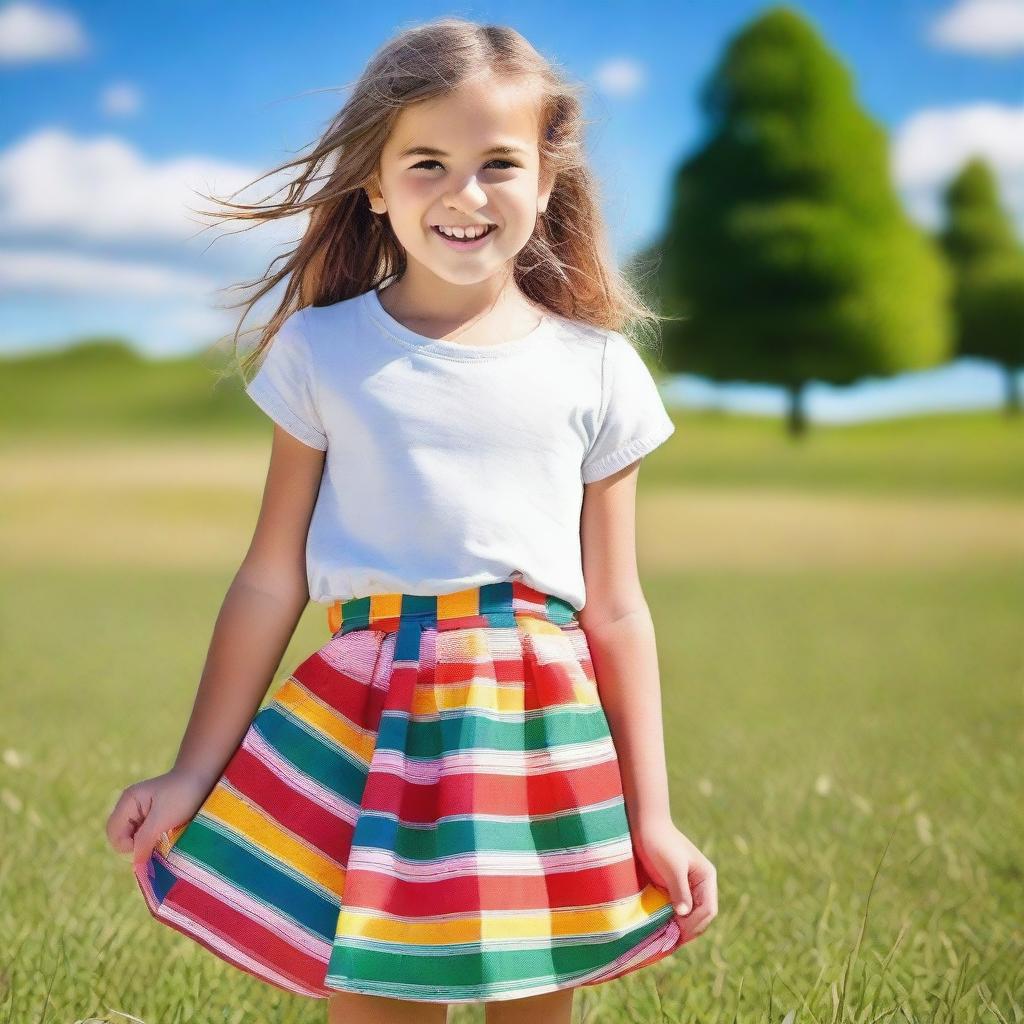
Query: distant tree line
x,y
787,256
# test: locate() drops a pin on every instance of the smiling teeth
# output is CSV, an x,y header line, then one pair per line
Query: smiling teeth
x,y
462,232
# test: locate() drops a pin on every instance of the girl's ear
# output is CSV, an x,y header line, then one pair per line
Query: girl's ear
x,y
372,190
547,184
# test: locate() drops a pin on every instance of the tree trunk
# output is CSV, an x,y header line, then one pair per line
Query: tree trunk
x,y
1013,400
796,420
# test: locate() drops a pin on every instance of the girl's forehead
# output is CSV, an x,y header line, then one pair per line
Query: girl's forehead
x,y
474,116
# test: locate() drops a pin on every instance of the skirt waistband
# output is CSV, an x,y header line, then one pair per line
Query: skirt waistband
x,y
491,604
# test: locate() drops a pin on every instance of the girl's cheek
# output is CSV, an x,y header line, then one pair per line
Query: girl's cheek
x,y
515,194
418,189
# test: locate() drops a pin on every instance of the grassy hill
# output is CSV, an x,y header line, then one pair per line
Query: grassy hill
x,y
104,390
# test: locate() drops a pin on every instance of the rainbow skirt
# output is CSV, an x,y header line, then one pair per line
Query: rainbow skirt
x,y
429,808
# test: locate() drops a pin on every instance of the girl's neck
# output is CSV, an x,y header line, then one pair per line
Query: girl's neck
x,y
471,315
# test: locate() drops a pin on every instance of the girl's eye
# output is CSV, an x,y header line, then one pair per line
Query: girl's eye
x,y
507,163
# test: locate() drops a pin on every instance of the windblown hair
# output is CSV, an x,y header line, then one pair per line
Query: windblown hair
x,y
348,249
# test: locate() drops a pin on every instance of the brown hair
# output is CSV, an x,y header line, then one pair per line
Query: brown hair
x,y
347,249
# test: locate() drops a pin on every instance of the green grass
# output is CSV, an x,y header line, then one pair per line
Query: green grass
x,y
844,744
820,728
978,453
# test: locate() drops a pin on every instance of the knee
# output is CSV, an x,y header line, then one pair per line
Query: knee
x,y
357,1008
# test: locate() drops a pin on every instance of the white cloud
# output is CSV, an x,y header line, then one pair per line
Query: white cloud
x,y
31,32
933,145
55,272
987,27
120,99
106,237
103,190
621,76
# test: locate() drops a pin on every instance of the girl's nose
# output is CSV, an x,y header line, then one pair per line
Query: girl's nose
x,y
470,197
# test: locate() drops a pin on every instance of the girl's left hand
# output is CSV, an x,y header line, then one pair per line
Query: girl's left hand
x,y
677,866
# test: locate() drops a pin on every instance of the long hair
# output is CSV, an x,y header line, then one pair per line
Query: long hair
x,y
347,249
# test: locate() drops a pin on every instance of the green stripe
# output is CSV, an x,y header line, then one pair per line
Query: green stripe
x,y
474,834
559,610
444,968
264,879
330,765
467,728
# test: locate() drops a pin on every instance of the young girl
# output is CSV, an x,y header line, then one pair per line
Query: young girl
x,y
432,809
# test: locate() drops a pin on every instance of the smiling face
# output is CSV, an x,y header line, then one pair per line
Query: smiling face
x,y
465,160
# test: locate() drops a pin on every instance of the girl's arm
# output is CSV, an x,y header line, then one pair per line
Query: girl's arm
x,y
263,605
620,636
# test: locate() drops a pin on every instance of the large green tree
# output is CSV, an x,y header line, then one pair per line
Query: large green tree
x,y
988,264
787,253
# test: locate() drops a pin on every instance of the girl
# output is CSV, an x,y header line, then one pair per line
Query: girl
x,y
432,809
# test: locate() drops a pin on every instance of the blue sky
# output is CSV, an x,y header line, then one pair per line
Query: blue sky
x,y
113,111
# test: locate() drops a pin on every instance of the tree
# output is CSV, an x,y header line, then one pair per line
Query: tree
x,y
988,265
787,253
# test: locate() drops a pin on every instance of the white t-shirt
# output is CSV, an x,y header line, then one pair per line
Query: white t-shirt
x,y
452,465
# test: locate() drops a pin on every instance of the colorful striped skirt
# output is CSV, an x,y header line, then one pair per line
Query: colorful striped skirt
x,y
430,808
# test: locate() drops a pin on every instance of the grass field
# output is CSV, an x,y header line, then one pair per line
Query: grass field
x,y
839,627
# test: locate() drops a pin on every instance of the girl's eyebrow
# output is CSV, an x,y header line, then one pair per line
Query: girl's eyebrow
x,y
430,151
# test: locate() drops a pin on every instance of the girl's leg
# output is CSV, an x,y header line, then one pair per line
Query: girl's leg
x,y
355,1008
549,1008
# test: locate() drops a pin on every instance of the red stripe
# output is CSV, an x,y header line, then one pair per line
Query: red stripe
x,y
471,893
357,701
558,790
302,974
554,683
248,936
317,825
501,669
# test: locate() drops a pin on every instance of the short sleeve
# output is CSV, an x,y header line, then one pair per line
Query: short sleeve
x,y
284,386
633,419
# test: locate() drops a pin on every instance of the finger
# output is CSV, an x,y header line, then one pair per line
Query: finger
x,y
144,839
704,912
124,819
143,846
693,925
705,907
682,899
702,895
122,846
704,886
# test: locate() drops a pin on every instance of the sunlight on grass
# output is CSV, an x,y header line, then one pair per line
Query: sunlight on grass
x,y
842,689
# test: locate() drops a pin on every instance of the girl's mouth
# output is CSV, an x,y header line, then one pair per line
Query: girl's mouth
x,y
464,244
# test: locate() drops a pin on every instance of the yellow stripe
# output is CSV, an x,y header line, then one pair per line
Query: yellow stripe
x,y
530,925
385,606
534,624
264,832
462,602
485,693
324,720
585,692
481,692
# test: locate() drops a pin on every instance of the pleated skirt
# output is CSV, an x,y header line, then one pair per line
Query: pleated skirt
x,y
429,808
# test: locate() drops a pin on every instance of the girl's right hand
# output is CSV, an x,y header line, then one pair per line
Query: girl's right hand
x,y
148,808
